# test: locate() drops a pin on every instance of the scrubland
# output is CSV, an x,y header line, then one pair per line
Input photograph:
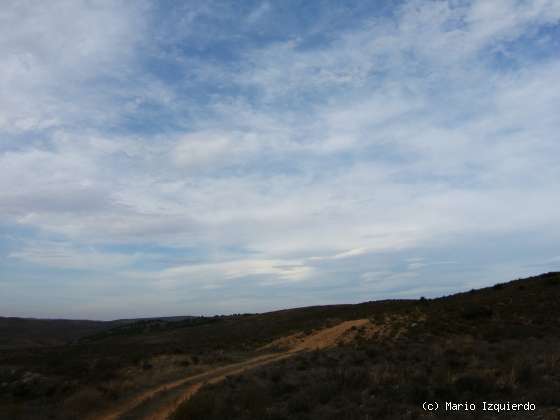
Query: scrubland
x,y
500,343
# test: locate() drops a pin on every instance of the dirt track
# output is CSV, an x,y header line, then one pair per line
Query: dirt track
x,y
160,402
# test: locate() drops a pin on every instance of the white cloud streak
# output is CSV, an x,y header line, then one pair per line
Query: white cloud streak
x,y
399,133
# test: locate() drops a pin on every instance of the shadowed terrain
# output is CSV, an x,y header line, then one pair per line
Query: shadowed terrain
x,y
370,360
30,332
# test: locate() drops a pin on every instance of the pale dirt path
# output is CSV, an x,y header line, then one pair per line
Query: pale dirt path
x,y
330,337
160,402
162,410
129,405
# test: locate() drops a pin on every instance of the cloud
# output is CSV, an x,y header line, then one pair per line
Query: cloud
x,y
62,255
345,254
54,57
259,12
295,155
213,275
203,150
386,280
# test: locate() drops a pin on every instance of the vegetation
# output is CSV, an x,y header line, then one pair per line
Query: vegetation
x,y
496,344
28,332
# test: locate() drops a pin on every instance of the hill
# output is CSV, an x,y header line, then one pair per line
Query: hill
x,y
31,332
372,360
17,333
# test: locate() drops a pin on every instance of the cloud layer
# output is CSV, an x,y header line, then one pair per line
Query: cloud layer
x,y
203,159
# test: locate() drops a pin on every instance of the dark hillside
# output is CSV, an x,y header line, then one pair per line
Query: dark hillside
x,y
33,332
498,343
30,332
129,344
495,344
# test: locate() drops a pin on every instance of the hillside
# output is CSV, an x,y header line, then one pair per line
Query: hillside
x,y
497,344
370,360
31,332
17,333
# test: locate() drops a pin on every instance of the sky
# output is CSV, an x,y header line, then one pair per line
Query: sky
x,y
197,158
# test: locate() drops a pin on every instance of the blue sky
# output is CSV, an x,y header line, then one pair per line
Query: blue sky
x,y
165,158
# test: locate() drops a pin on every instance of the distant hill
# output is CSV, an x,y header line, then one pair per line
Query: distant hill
x,y
31,332
35,332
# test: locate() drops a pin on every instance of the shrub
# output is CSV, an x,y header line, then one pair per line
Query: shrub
x,y
473,311
473,384
552,281
524,372
83,401
298,404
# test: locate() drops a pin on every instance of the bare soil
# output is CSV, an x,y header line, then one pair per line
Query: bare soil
x,y
160,402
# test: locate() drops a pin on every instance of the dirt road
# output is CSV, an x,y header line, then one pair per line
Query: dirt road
x,y
160,402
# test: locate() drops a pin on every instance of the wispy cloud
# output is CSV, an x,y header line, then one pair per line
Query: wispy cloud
x,y
297,151
69,256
